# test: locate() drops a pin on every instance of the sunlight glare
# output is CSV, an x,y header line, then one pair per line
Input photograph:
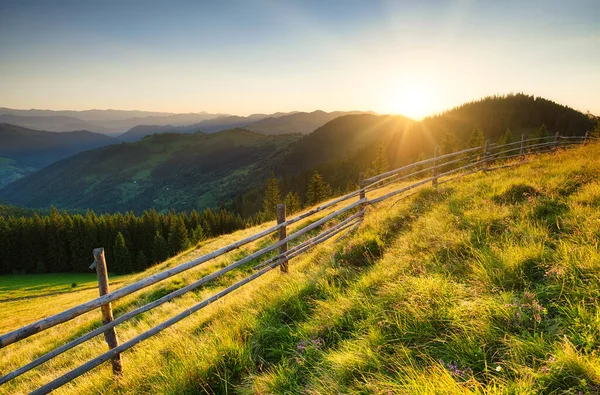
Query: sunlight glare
x,y
413,100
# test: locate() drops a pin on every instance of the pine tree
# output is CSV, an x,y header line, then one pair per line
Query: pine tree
x,y
272,197
542,131
197,235
121,256
292,203
160,250
141,261
449,143
318,190
178,237
477,139
506,137
380,164
596,131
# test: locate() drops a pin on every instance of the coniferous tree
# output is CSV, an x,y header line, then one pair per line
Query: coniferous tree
x,y
178,237
160,250
380,164
449,143
318,190
542,131
477,139
506,137
141,261
197,235
272,197
121,256
292,202
596,131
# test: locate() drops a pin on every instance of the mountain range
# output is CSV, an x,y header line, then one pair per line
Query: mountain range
x,y
228,168
111,122
274,124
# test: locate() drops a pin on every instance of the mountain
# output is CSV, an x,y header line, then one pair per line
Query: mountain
x,y
86,115
24,150
101,121
228,168
51,123
165,171
300,122
207,126
519,112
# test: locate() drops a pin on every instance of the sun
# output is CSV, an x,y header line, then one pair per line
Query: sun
x,y
411,99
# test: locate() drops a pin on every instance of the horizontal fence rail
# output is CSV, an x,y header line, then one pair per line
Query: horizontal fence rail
x,y
431,170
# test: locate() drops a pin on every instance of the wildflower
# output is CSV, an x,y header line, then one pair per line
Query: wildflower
x,y
498,368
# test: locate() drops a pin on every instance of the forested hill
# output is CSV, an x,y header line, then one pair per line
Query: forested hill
x,y
24,150
165,171
518,112
229,169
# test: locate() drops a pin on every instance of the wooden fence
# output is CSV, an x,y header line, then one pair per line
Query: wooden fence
x,y
423,172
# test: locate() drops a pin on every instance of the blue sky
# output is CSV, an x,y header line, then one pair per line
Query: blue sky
x,y
411,57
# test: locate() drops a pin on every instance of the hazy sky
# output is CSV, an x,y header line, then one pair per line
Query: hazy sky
x,y
410,57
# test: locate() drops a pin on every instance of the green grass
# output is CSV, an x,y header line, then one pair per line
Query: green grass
x,y
487,285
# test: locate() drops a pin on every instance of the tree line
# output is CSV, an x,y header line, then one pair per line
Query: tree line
x,y
63,242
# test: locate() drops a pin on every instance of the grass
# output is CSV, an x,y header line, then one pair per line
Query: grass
x,y
488,285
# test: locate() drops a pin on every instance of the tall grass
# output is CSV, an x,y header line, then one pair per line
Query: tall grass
x,y
489,284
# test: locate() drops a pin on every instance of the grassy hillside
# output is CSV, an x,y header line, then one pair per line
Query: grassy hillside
x,y
487,285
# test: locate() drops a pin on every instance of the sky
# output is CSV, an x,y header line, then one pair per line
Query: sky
x,y
262,56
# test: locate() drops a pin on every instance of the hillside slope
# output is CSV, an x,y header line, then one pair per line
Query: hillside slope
x,y
23,150
486,285
165,171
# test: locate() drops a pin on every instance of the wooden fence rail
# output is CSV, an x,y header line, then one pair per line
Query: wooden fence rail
x,y
467,161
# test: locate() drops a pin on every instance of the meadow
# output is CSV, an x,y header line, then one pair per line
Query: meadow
x,y
488,284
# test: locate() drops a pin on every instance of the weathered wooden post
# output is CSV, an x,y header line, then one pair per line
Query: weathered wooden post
x,y
556,137
523,140
107,316
586,137
361,186
282,235
485,153
436,153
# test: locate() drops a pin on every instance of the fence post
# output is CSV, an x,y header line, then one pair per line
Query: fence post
x,y
585,138
361,186
556,137
485,153
523,140
107,316
282,235
436,153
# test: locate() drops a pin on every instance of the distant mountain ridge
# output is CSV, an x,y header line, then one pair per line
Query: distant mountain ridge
x,y
274,124
110,122
300,122
24,150
60,123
